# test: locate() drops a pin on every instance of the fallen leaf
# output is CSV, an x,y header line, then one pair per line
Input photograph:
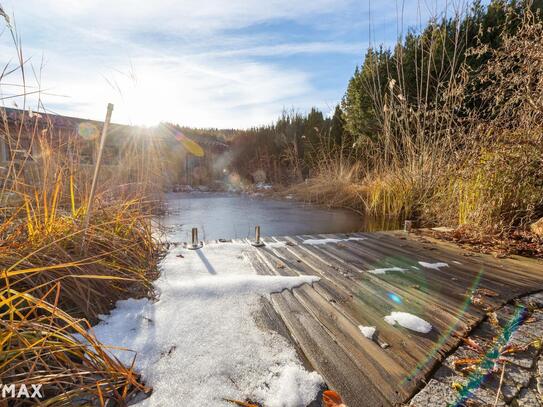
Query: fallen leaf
x,y
513,348
473,345
467,361
493,319
332,399
530,320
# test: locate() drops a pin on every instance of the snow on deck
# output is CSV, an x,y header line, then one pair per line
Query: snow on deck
x,y
199,344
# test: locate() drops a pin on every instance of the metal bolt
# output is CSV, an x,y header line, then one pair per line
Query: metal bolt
x,y
195,236
257,242
195,243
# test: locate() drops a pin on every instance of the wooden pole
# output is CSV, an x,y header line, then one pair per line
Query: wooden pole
x,y
97,169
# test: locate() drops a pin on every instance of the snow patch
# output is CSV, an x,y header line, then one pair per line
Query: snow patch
x,y
293,387
367,331
409,321
435,266
384,270
200,341
330,240
263,186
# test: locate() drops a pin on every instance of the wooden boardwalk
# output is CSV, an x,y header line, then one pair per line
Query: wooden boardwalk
x,y
323,319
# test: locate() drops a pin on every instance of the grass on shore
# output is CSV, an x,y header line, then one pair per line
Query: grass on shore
x,y
58,277
43,345
433,165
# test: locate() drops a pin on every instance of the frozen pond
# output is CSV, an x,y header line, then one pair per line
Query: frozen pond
x,y
228,216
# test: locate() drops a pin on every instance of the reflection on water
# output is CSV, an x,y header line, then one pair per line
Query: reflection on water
x,y
228,216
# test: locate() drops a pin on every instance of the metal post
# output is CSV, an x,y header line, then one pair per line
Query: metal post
x,y
196,244
257,242
194,236
97,169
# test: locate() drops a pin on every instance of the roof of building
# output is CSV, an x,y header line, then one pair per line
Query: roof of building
x,y
57,121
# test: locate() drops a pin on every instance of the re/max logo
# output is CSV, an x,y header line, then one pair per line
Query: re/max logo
x,y
21,391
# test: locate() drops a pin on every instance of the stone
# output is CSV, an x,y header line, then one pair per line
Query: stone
x,y
522,383
528,397
486,397
535,300
518,375
508,390
435,394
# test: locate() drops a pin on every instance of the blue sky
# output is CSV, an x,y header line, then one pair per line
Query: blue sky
x,y
214,63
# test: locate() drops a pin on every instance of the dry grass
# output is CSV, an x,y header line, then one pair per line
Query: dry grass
x,y
53,272
429,163
42,345
56,275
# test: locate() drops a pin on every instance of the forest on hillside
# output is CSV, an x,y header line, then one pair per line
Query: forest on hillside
x,y
445,128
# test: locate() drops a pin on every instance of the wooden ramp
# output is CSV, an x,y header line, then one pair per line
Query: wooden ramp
x,y
324,319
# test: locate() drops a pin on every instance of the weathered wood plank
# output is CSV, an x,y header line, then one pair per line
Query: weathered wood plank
x,y
328,358
381,290
323,319
367,307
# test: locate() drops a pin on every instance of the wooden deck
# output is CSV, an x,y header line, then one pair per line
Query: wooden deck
x,y
323,319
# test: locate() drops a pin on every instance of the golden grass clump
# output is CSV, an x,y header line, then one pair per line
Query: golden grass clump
x,y
114,259
47,257
44,346
57,275
436,161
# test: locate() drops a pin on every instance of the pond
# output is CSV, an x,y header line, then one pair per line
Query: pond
x,y
229,216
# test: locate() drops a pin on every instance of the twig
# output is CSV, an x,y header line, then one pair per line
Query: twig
x,y
500,385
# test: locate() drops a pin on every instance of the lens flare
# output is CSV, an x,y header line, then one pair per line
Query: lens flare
x,y
491,358
449,331
190,145
395,297
88,130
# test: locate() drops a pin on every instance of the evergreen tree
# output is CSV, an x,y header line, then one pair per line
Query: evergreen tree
x,y
337,128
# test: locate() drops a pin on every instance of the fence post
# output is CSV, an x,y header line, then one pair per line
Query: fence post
x,y
96,172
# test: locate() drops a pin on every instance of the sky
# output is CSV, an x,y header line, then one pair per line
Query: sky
x,y
205,63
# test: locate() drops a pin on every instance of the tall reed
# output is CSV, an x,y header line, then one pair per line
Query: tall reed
x,y
51,284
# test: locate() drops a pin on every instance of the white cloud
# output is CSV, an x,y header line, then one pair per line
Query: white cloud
x,y
186,61
174,15
292,49
182,61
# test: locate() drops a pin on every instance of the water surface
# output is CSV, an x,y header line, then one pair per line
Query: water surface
x,y
228,216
